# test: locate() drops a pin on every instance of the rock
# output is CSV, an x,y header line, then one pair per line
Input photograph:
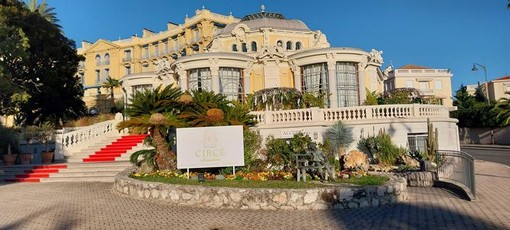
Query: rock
x,y
355,160
408,160
311,196
281,198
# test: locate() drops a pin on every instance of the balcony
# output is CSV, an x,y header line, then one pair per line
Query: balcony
x,y
126,59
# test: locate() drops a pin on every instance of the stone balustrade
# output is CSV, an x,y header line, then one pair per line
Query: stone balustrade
x,y
69,141
334,197
358,113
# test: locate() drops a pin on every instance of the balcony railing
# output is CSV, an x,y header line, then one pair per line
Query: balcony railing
x,y
359,113
126,59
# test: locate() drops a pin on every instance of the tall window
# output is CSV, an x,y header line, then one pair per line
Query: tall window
x,y
176,44
254,46
289,45
106,75
315,80
199,79
234,47
438,84
417,142
128,70
98,76
107,59
244,47
156,50
231,83
145,52
298,45
98,60
409,84
347,84
127,55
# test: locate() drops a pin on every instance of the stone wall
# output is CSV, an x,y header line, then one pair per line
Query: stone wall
x,y
419,179
485,136
334,197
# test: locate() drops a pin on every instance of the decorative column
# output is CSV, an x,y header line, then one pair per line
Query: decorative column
x,y
362,91
215,75
297,75
247,78
333,103
183,77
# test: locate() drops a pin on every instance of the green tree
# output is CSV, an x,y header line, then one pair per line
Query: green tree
x,y
371,98
47,73
473,110
44,10
503,109
111,84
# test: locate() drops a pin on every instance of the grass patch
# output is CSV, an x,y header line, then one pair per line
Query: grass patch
x,y
364,180
283,184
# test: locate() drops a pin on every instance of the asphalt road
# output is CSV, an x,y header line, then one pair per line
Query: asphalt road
x,y
489,154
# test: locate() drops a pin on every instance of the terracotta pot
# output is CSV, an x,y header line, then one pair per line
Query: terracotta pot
x,y
25,158
47,157
9,159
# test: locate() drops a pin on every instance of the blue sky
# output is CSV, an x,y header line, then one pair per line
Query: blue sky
x,y
448,34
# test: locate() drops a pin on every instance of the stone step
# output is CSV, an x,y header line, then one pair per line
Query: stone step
x,y
79,179
84,174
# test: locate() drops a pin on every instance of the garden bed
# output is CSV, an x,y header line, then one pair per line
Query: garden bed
x,y
324,196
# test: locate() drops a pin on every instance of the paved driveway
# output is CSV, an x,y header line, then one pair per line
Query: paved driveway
x,y
97,206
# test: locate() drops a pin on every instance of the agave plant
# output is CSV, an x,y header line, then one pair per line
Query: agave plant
x,y
340,137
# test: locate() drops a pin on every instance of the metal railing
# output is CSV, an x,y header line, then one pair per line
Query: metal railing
x,y
457,167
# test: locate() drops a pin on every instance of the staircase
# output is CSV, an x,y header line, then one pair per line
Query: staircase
x,y
101,161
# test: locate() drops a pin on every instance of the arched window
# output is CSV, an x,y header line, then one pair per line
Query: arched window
x,y
234,47
254,46
298,45
98,60
107,59
289,45
244,47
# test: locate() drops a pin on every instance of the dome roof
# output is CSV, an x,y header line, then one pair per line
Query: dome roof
x,y
267,20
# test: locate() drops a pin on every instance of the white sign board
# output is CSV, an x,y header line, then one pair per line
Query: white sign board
x,y
206,147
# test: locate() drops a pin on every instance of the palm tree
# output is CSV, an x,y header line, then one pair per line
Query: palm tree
x,y
44,10
155,101
111,84
340,137
158,125
503,108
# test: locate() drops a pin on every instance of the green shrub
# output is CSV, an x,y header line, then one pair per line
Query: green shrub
x,y
381,149
252,141
280,153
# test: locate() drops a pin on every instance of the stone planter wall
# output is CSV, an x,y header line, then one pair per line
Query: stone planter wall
x,y
419,179
335,197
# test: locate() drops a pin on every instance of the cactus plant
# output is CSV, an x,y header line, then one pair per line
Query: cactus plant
x,y
432,139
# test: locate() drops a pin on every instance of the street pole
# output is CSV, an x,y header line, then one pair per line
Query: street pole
x,y
486,82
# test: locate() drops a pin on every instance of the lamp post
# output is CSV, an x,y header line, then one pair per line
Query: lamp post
x,y
486,83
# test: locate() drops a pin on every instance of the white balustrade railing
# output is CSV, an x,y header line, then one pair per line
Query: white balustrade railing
x,y
358,113
69,141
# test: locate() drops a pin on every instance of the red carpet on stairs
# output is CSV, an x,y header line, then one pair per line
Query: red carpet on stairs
x,y
36,172
115,149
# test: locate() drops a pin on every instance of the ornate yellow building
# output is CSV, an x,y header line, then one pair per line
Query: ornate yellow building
x,y
234,57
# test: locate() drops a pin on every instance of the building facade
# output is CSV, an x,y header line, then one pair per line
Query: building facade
x,y
430,82
234,57
498,88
